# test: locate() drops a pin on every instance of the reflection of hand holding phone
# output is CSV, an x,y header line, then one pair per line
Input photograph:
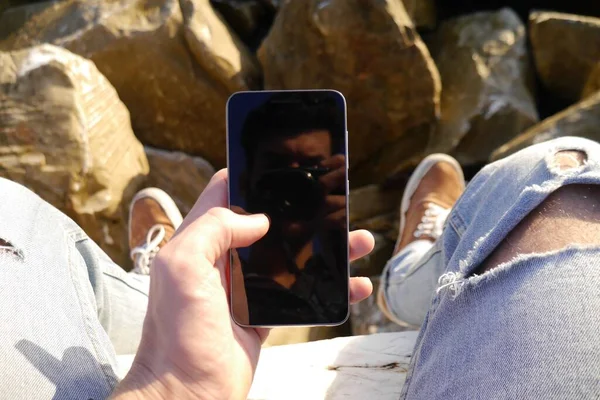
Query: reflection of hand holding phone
x,y
287,151
334,183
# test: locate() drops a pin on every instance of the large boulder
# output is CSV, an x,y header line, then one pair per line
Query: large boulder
x,y
65,134
422,12
371,52
581,119
566,49
250,19
182,176
176,96
593,83
367,318
482,59
371,200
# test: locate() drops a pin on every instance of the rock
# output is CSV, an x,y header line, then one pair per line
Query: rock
x,y
383,223
65,134
217,50
250,19
18,16
593,82
422,12
368,319
175,102
482,59
370,201
371,52
566,49
182,176
581,119
373,264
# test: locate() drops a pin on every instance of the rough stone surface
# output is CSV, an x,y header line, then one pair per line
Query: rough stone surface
x,y
65,134
566,49
367,318
250,19
371,52
581,119
17,15
370,201
422,12
372,264
182,176
593,83
175,102
216,49
482,59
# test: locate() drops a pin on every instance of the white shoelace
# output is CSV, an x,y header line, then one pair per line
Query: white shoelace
x,y
143,255
432,222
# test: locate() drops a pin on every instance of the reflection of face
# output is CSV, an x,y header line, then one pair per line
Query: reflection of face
x,y
307,149
303,150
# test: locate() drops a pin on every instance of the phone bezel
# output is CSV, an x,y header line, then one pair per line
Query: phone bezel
x,y
230,283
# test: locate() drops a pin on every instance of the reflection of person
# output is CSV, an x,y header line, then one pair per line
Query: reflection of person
x,y
294,176
506,293
67,309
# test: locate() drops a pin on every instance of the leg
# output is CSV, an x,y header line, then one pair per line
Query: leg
x,y
153,220
69,306
410,278
51,340
515,315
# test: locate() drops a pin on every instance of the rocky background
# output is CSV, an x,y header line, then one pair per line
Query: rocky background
x,y
99,98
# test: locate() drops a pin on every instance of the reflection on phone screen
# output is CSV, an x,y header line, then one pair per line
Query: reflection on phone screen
x,y
287,159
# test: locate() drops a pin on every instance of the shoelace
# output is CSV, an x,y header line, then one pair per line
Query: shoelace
x,y
432,222
143,255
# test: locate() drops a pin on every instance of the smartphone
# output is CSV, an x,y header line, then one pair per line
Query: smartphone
x,y
287,155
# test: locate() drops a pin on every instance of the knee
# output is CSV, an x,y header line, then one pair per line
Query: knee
x,y
570,215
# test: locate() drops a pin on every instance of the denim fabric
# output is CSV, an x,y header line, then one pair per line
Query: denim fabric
x,y
410,279
66,308
526,329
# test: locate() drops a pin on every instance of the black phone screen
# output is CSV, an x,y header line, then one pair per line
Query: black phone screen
x,y
287,158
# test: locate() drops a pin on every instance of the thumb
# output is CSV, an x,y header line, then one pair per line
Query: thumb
x,y
220,229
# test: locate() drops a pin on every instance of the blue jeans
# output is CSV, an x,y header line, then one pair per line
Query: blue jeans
x,y
66,309
526,329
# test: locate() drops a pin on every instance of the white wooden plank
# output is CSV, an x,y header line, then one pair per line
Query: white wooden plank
x,y
355,367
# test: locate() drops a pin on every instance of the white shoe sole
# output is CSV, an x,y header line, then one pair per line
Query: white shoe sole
x,y
164,200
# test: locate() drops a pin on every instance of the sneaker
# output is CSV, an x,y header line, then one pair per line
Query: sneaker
x,y
153,220
428,198
430,194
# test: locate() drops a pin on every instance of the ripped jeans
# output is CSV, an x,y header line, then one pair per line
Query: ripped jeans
x,y
66,310
528,328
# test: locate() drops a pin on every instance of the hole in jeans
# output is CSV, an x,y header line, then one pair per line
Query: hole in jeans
x,y
7,247
570,215
569,159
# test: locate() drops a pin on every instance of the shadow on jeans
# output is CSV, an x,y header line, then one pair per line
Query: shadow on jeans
x,y
77,376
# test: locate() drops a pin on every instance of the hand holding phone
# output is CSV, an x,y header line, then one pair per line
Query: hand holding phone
x,y
287,158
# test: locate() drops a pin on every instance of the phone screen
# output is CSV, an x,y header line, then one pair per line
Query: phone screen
x,y
287,158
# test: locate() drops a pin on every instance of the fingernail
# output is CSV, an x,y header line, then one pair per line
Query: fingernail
x,y
261,217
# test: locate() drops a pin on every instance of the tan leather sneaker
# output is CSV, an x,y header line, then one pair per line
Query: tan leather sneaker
x,y
153,220
428,198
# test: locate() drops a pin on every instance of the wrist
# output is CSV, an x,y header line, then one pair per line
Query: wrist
x,y
142,383
137,384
